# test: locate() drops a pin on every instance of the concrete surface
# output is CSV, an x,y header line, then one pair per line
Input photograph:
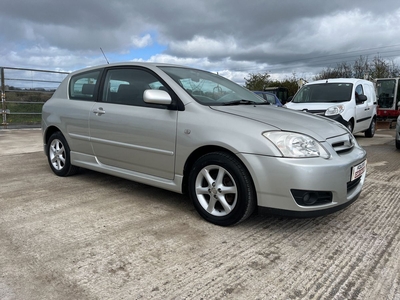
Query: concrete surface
x,y
93,236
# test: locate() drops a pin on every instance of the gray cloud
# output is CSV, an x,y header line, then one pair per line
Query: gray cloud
x,y
234,37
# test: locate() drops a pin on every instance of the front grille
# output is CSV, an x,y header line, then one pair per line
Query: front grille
x,y
315,112
343,143
352,184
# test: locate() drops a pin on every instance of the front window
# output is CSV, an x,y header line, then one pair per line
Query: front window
x,y
211,89
127,85
324,92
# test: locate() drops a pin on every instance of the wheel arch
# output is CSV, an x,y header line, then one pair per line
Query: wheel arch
x,y
195,155
352,122
47,134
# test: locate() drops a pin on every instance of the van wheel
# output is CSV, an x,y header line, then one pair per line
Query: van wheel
x,y
371,130
350,126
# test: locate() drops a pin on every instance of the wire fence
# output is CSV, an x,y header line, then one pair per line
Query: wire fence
x,y
23,93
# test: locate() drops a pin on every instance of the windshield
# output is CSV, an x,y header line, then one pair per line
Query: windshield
x,y
385,92
324,92
211,89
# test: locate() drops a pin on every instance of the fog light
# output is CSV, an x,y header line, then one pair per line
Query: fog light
x,y
310,198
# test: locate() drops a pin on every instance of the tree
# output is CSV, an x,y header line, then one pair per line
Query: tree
x,y
362,68
342,70
394,69
257,82
291,83
379,68
327,73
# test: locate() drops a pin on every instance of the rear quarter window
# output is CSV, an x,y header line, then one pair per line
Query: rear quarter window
x,y
83,86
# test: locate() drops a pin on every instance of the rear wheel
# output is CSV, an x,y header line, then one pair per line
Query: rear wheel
x,y
221,189
59,155
398,144
371,130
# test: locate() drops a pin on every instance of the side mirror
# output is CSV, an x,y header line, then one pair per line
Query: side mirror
x,y
157,97
361,98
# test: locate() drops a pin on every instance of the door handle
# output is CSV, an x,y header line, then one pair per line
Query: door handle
x,y
367,108
99,111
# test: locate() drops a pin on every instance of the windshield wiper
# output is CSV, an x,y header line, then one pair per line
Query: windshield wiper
x,y
246,102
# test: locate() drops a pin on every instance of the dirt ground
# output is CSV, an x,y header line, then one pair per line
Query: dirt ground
x,y
94,236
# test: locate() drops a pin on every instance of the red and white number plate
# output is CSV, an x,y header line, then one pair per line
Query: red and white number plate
x,y
358,170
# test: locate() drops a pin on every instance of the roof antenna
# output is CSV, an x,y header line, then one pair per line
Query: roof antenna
x,y
104,55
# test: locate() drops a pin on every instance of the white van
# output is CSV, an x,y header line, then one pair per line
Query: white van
x,y
349,101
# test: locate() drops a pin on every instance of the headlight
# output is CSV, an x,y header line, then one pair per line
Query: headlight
x,y
293,145
334,110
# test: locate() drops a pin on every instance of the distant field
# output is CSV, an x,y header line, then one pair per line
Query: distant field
x,y
25,107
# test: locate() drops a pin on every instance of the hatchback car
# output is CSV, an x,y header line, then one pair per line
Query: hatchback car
x,y
188,130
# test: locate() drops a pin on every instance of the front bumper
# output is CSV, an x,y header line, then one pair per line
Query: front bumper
x,y
338,118
275,178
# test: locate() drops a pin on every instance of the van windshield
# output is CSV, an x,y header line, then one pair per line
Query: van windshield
x,y
324,92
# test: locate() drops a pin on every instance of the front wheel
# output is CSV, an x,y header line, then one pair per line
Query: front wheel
x,y
59,155
221,189
350,126
370,132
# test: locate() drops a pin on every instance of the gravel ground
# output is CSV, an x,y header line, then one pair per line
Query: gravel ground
x,y
94,236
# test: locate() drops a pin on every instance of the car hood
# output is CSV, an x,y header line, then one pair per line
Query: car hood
x,y
320,128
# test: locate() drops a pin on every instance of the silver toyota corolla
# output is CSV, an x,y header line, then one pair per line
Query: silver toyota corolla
x,y
188,130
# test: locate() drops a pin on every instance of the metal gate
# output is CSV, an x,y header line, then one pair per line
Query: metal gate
x,y
23,93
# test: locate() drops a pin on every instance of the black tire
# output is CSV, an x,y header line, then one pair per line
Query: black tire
x,y
370,132
221,189
350,126
397,144
58,155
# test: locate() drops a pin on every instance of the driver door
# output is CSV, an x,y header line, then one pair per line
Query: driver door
x,y
363,114
126,133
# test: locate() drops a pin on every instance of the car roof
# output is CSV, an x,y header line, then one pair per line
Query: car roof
x,y
131,63
340,80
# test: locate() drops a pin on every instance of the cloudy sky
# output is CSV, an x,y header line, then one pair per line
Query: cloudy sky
x,y
234,38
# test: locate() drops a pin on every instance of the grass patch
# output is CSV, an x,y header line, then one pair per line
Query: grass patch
x,y
25,107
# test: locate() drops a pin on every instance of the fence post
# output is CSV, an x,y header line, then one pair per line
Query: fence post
x,y
3,99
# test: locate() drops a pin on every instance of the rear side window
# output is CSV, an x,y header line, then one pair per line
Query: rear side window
x,y
83,86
